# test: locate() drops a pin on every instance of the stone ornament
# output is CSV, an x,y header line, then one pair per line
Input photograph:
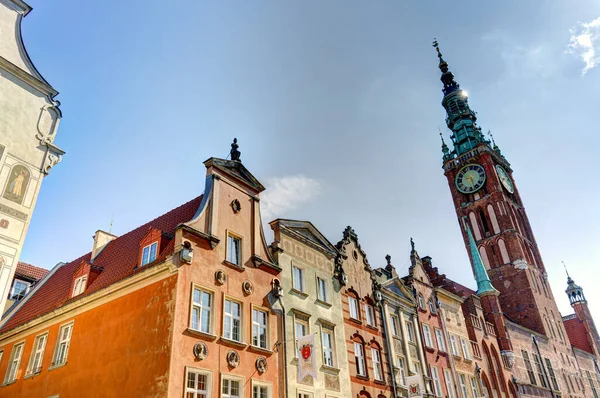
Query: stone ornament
x,y
220,277
233,359
520,264
200,351
247,287
261,365
236,206
510,358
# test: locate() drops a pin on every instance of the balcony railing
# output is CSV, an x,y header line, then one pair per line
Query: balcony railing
x,y
489,328
475,349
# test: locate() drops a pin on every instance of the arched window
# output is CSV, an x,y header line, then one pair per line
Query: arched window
x,y
353,305
493,219
360,357
503,251
475,226
376,359
484,257
484,224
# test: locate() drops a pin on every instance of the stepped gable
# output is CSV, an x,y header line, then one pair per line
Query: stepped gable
x,y
30,272
441,281
577,333
118,261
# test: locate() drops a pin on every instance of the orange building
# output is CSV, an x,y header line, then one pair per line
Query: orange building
x,y
180,306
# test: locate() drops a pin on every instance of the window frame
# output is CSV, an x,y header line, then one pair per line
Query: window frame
x,y
377,365
302,320
149,259
330,331
369,309
353,300
439,339
465,349
455,350
31,370
261,384
241,319
298,282
395,325
255,308
79,285
432,306
529,367
361,360
230,377
474,386
428,340
8,378
421,301
551,375
449,382
410,331
194,304
198,371
324,295
401,370
11,295
233,236
70,325
540,370
435,380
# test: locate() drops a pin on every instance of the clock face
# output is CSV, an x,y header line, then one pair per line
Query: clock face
x,y
470,178
505,179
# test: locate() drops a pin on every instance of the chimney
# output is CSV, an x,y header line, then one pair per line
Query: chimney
x,y
101,239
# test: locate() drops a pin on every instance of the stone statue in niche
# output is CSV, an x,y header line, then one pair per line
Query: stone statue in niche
x,y
17,184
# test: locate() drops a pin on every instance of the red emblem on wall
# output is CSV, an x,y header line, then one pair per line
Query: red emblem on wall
x,y
4,223
305,351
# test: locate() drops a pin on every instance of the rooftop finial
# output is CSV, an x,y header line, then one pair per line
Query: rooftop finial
x,y
412,244
565,265
235,154
443,64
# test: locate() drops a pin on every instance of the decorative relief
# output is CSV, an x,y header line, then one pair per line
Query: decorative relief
x,y
236,206
307,380
287,246
200,351
299,251
397,345
261,365
220,277
247,287
19,215
520,264
413,351
47,124
310,257
18,181
4,223
52,159
233,359
332,382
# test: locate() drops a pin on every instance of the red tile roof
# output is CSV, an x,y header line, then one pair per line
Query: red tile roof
x,y
118,259
440,280
577,334
30,271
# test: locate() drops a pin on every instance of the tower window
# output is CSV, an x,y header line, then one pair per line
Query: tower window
x,y
484,224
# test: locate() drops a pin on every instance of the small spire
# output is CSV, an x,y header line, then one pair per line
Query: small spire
x,y
443,64
484,285
412,244
235,153
450,85
445,149
565,265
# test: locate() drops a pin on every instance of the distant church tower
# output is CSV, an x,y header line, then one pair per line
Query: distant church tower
x,y
583,314
484,193
29,117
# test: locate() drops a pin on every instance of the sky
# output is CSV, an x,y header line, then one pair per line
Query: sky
x,y
336,106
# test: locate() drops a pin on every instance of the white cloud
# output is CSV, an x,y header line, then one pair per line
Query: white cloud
x,y
286,193
585,44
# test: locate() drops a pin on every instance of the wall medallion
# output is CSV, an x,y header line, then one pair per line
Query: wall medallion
x,y
200,351
4,223
233,359
220,277
236,206
261,365
247,287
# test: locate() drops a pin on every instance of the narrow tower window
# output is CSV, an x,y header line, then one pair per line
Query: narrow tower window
x,y
484,224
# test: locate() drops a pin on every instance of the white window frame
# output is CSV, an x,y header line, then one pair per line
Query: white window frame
x,y
410,331
435,378
261,385
198,372
328,350
12,368
322,290
377,366
465,348
427,336
60,340
402,371
305,394
12,290
299,321
370,314
79,285
228,332
231,256
474,386
37,354
231,378
421,301
359,356
147,259
454,345
259,327
354,308
395,325
431,305
449,383
197,307
463,385
298,278
439,337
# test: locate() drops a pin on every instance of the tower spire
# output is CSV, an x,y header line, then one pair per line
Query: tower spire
x,y
484,285
574,292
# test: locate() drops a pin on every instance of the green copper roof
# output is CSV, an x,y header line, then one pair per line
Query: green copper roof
x,y
484,285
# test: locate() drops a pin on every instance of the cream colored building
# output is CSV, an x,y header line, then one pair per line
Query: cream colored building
x,y
30,117
312,304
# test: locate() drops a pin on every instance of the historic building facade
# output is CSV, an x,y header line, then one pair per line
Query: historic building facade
x,y
311,301
30,117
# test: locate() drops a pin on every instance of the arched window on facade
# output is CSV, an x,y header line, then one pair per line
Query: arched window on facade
x,y
475,226
493,219
484,257
503,251
484,223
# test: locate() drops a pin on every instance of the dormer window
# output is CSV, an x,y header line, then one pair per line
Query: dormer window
x,y
79,286
149,253
19,290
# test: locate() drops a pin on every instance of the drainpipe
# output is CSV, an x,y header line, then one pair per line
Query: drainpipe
x,y
542,363
285,362
388,336
456,381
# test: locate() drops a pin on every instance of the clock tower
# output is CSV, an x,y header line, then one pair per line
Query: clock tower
x,y
486,196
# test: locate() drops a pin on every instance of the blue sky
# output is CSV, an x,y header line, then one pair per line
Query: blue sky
x,y
336,106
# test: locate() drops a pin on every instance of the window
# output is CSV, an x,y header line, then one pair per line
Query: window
x,y
232,320
305,395
528,367
149,253
421,301
322,290
202,308
463,386
395,327
359,358
592,386
552,375
328,344
435,377
440,340
298,278
417,367
538,366
465,347
353,307
259,328
377,370
35,361
234,249
370,315
198,384
19,290
474,387
300,328
427,336
449,383
432,306
409,331
14,362
454,345
402,371
230,388
79,286
62,344
260,391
